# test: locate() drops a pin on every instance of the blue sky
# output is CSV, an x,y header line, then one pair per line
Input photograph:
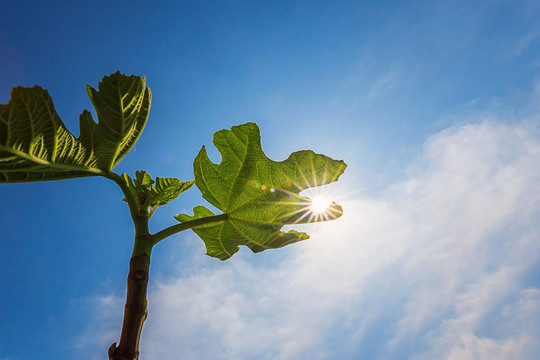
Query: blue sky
x,y
435,107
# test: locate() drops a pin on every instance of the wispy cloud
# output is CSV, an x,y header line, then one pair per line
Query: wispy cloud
x,y
523,43
436,266
384,84
373,88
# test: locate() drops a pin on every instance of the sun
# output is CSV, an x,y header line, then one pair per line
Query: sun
x,y
319,204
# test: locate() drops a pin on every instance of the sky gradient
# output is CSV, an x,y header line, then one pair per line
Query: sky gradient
x,y
434,107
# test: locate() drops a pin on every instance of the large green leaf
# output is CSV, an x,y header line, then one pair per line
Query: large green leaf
x,y
122,105
258,196
35,144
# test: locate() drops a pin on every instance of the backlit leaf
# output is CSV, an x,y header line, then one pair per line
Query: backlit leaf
x,y
122,105
35,144
258,195
161,191
166,190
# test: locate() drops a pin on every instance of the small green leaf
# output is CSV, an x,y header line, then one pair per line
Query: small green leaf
x,y
161,191
166,190
131,186
258,196
142,180
35,145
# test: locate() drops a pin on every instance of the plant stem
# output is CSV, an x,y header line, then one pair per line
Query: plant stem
x,y
135,311
171,230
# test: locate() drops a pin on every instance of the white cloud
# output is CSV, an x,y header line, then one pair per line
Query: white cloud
x,y
480,349
436,266
102,328
519,319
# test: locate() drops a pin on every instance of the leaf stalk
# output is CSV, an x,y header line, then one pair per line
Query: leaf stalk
x,y
171,230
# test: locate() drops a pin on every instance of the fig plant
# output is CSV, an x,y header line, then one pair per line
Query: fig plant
x,y
256,196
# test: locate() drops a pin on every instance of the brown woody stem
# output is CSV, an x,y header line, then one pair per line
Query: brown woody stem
x,y
135,311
